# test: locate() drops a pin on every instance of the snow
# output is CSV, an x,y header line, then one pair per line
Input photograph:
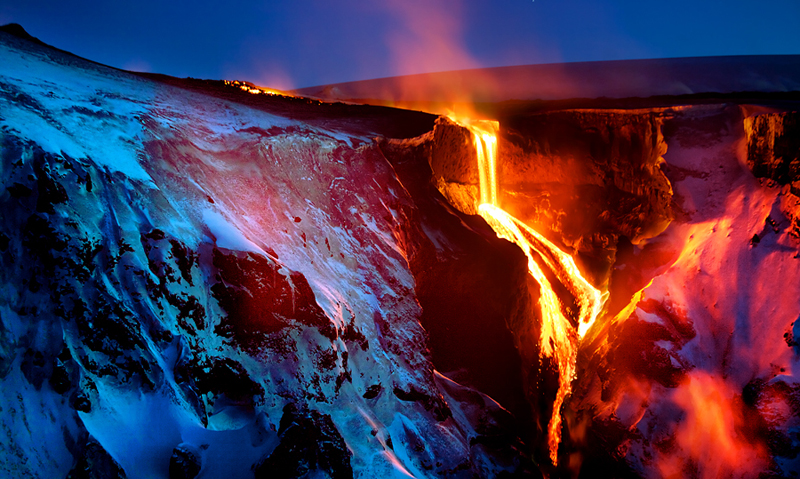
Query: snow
x,y
154,424
740,300
32,423
69,113
226,235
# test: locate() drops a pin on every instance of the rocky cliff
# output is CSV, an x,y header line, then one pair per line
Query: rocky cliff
x,y
201,280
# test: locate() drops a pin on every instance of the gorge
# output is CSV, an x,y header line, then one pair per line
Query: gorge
x,y
209,279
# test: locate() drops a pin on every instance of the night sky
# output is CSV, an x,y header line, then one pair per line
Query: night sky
x,y
297,43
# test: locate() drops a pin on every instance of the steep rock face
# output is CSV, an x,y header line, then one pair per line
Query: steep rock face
x,y
454,165
689,372
589,176
489,340
472,337
589,179
181,268
773,146
773,153
583,177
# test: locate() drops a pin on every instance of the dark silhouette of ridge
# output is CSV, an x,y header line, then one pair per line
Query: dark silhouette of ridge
x,y
19,32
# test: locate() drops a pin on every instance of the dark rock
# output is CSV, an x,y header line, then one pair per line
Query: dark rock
x,y
96,463
352,334
51,192
42,240
435,404
185,258
81,402
225,376
108,326
373,391
411,395
773,146
60,379
18,190
185,462
34,368
309,441
597,463
260,300
155,234
641,355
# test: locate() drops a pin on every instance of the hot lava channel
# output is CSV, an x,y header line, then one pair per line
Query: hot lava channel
x,y
563,325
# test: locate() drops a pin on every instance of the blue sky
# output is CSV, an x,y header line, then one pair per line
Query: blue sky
x,y
310,42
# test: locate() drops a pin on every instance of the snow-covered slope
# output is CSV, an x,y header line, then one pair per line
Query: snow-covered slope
x,y
195,286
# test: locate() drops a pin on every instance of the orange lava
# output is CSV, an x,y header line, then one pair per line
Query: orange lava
x,y
252,89
559,338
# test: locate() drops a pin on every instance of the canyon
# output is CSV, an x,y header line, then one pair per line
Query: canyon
x,y
211,279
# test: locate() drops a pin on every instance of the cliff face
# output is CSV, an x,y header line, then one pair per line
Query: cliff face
x,y
584,177
689,361
773,146
695,347
196,284
588,176
773,153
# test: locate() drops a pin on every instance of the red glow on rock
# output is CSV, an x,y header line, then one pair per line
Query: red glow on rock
x,y
708,441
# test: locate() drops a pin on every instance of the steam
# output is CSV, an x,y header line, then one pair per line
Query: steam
x,y
430,37
270,75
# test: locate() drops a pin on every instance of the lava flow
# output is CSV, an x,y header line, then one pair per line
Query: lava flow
x,y
559,337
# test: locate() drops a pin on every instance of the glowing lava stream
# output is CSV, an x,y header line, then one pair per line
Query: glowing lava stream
x,y
559,339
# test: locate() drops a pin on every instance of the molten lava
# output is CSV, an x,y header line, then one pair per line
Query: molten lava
x,y
560,337
253,89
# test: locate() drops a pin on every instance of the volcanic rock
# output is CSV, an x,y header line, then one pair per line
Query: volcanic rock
x,y
185,463
773,146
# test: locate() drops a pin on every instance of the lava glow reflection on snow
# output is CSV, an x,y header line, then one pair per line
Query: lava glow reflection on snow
x,y
559,338
708,435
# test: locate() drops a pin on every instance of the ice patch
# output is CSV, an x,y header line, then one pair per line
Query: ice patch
x,y
226,235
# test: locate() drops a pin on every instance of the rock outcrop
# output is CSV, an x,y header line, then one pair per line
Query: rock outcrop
x,y
773,147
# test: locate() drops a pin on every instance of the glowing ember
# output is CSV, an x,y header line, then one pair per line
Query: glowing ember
x,y
559,338
250,88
